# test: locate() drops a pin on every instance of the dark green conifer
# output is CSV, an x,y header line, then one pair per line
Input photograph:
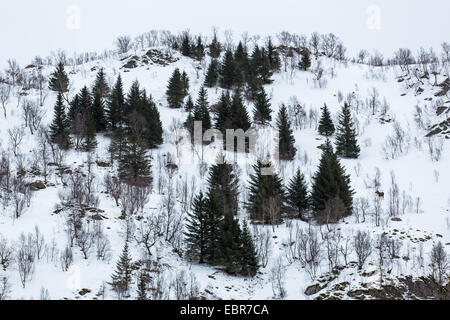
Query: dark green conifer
x,y
346,142
286,142
326,126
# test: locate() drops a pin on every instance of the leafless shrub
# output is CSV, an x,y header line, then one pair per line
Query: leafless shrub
x,y
6,253
5,288
439,263
16,136
363,247
308,250
277,278
123,44
25,258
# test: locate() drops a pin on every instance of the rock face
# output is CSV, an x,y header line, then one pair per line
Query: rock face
x,y
315,288
440,128
153,56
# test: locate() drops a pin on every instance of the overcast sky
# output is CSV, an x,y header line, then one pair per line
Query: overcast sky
x,y
36,27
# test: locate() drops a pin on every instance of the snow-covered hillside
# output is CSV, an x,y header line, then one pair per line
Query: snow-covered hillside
x,y
419,171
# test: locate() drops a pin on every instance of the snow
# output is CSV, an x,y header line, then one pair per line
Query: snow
x,y
414,172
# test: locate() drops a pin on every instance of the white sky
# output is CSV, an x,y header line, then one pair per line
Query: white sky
x,y
36,27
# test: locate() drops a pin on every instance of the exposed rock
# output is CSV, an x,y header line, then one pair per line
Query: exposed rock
x,y
37,185
313,289
84,291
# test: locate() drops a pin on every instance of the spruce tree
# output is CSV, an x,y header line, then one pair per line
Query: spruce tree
x,y
346,143
224,182
90,141
242,64
196,234
305,62
326,126
133,100
118,142
273,56
101,85
153,131
330,182
215,48
186,45
214,221
240,117
199,49
59,81
116,105
201,110
121,280
266,195
248,254
262,112
223,114
230,245
212,75
134,164
142,283
59,132
189,105
175,90
98,112
286,141
297,201
227,71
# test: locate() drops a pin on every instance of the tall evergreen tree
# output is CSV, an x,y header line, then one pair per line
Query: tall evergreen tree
x,y
199,49
201,110
326,126
346,143
248,254
224,182
101,85
215,219
273,56
223,115
153,131
186,45
189,105
175,90
116,105
121,280
297,200
59,132
240,117
215,48
242,64
330,182
227,71
305,62
134,165
196,234
262,112
212,75
90,140
98,112
286,141
266,195
142,283
231,245
59,81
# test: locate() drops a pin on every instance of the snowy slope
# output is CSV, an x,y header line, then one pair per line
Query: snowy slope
x,y
424,181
